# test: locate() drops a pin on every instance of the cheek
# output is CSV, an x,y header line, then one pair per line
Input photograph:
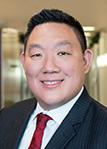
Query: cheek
x,y
32,69
72,68
67,67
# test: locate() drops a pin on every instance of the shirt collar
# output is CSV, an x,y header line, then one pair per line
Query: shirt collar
x,y
59,113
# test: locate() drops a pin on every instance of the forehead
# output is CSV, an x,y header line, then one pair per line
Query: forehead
x,y
52,32
53,29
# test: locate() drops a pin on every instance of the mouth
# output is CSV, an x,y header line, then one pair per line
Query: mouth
x,y
52,83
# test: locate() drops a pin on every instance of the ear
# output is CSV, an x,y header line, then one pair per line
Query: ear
x,y
88,57
22,58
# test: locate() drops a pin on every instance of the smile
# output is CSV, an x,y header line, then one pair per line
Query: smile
x,y
52,83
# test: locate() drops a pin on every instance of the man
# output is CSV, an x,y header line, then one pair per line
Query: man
x,y
55,60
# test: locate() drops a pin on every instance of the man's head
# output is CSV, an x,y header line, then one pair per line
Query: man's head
x,y
58,16
55,59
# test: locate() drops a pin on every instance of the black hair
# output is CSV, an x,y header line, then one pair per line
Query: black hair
x,y
57,16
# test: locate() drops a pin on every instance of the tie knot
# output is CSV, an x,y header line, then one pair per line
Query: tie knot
x,y
42,120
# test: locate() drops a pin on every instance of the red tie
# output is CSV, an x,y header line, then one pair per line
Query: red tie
x,y
42,120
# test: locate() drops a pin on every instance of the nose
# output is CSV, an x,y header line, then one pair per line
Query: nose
x,y
50,65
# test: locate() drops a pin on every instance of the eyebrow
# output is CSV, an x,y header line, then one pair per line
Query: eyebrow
x,y
32,46
58,44
64,43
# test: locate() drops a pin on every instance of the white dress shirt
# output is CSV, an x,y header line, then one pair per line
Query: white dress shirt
x,y
57,116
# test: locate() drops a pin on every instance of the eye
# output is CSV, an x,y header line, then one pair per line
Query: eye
x,y
63,53
36,55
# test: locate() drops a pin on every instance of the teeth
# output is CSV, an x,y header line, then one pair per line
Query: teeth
x,y
50,82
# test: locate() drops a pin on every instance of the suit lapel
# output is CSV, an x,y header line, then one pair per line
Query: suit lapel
x,y
63,134
71,124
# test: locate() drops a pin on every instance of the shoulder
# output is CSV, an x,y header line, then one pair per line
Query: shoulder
x,y
94,106
18,108
98,108
97,116
97,119
95,111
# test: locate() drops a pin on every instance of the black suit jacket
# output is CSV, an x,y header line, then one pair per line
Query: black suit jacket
x,y
85,127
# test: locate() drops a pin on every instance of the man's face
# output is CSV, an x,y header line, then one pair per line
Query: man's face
x,y
54,64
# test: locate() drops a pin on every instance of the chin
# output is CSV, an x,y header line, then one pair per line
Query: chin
x,y
49,106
